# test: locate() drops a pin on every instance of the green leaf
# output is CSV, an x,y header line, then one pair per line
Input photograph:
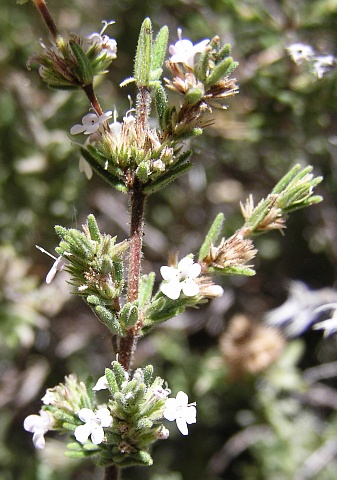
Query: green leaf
x,y
148,375
221,70
119,373
232,271
112,382
109,319
86,74
142,66
211,236
167,178
159,48
161,103
145,289
284,182
193,95
95,234
114,181
129,315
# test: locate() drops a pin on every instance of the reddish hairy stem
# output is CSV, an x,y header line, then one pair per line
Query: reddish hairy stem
x,y
43,9
111,473
128,344
90,93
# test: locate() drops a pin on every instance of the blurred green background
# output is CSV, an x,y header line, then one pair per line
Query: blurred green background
x,y
254,422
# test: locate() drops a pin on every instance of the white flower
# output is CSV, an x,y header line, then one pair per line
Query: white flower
x,y
107,43
161,392
39,425
180,279
163,433
93,426
330,325
322,64
181,411
300,52
90,123
183,51
57,266
48,398
101,384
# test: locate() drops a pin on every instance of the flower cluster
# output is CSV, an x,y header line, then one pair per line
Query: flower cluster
x,y
319,64
120,430
74,63
203,81
107,44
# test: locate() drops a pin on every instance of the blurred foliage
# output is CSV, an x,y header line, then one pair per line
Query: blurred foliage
x,y
273,424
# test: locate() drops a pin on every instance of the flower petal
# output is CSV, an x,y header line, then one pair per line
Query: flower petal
x,y
85,414
82,433
194,270
103,414
182,426
31,422
168,273
97,435
39,441
170,414
190,288
75,129
171,289
182,399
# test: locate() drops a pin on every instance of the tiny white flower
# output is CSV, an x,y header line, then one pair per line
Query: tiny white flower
x,y
48,398
101,384
161,392
93,426
322,64
39,425
180,279
181,411
90,123
183,51
300,52
163,433
57,266
107,43
330,325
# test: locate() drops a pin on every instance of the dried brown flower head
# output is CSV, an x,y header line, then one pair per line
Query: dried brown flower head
x,y
249,347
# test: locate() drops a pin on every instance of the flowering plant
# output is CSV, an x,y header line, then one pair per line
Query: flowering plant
x,y
138,159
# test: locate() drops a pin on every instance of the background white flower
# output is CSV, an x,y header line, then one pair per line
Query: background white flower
x,y
109,44
39,425
181,411
93,427
322,64
300,52
183,51
90,123
180,279
330,325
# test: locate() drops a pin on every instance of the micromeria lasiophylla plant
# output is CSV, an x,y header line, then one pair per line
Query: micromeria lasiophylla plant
x,y
137,159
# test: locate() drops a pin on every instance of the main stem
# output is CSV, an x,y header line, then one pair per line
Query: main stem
x,y
127,344
111,473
